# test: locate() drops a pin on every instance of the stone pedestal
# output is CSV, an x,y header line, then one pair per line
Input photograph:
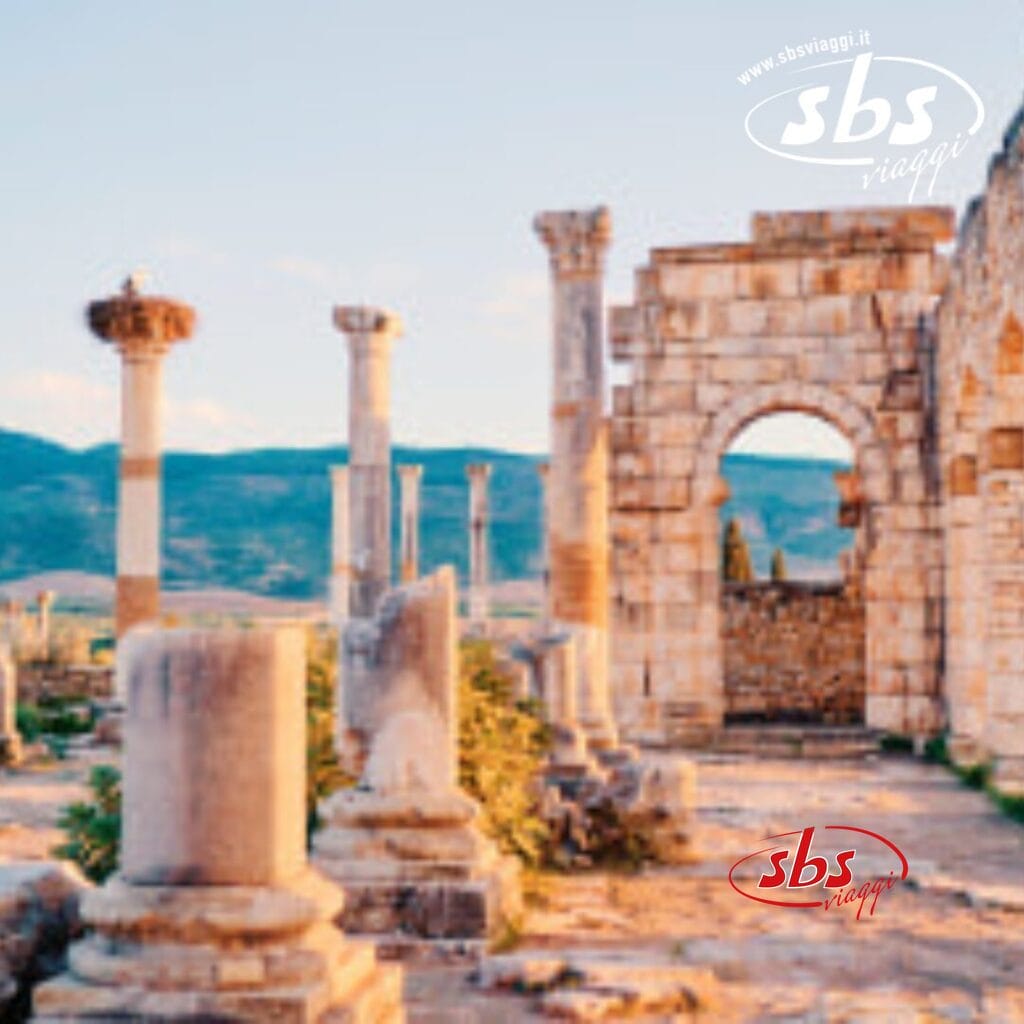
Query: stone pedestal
x,y
479,547
215,914
410,477
577,506
404,843
371,333
10,739
143,330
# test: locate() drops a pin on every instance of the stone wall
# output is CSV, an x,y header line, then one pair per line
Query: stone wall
x,y
980,371
79,682
793,652
823,313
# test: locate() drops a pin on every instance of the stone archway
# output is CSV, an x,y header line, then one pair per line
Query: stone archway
x,y
822,312
867,486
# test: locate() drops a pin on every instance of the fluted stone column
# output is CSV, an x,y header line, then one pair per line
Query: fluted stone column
x,y
341,559
479,546
409,478
578,507
214,913
544,472
10,738
142,328
370,334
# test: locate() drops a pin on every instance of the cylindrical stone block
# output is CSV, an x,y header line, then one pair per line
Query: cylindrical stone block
x,y
370,334
479,545
409,534
214,756
341,568
10,740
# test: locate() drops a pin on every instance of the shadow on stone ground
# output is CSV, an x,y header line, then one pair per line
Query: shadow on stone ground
x,y
946,946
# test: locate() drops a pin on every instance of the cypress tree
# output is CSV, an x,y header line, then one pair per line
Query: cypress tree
x,y
736,564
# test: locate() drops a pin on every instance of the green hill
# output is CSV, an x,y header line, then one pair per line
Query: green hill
x,y
259,520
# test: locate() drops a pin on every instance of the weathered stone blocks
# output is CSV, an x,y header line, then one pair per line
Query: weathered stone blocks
x,y
215,914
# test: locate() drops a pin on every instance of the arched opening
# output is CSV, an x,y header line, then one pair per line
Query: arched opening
x,y
792,612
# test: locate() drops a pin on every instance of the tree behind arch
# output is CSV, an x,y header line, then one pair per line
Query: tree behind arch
x,y
736,564
778,566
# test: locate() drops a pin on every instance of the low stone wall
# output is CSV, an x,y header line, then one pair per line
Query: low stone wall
x,y
793,652
42,679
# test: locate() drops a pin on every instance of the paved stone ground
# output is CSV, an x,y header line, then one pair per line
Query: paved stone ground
x,y
949,946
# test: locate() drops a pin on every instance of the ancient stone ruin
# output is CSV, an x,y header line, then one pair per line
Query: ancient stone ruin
x,y
215,913
404,842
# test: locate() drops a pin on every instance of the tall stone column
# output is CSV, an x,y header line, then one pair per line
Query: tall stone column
x,y
544,471
214,913
10,738
370,334
341,559
142,328
479,545
44,603
409,478
578,506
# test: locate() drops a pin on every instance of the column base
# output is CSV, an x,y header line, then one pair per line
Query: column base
x,y
218,953
11,751
416,864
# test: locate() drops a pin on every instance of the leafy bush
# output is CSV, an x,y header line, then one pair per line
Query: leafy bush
x,y
94,828
503,745
324,774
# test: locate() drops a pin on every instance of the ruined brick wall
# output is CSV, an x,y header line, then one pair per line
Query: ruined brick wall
x,y
793,652
980,372
68,682
820,312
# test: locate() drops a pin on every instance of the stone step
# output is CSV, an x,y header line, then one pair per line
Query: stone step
x,y
797,741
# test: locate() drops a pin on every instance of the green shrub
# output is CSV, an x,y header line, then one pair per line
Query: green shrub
x,y
324,774
503,746
94,827
29,722
896,743
935,751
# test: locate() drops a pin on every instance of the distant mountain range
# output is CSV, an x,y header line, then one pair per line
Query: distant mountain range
x,y
259,521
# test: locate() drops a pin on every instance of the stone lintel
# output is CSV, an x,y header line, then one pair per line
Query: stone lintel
x,y
938,223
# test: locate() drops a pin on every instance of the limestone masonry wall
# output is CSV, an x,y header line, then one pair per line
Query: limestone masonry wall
x,y
824,313
77,682
793,652
980,371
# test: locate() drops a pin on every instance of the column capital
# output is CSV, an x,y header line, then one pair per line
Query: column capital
x,y
358,321
479,470
338,473
410,471
576,239
140,326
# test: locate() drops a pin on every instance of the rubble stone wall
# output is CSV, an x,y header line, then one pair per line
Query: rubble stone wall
x,y
75,682
793,652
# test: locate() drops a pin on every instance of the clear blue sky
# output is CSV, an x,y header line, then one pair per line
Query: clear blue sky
x,y
268,160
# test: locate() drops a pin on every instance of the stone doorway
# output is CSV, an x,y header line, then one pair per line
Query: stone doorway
x,y
792,609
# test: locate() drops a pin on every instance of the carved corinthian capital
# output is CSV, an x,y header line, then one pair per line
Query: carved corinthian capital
x,y
576,240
